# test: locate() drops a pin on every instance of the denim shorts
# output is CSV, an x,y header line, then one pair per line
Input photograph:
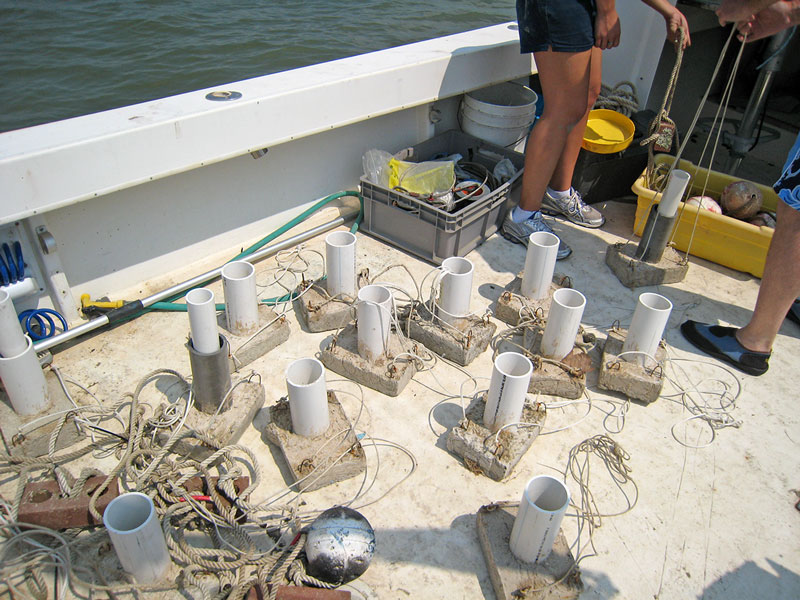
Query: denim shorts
x,y
563,25
788,186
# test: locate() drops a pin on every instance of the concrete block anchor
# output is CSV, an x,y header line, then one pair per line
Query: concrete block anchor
x,y
555,378
633,272
485,452
29,435
386,375
628,377
511,302
556,577
319,311
325,459
273,331
462,341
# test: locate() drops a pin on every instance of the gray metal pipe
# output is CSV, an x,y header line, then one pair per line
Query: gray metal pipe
x,y
132,308
742,141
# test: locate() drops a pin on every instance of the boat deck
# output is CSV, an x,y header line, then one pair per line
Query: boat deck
x,y
715,515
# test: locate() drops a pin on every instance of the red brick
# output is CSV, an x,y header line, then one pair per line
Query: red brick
x,y
43,505
286,592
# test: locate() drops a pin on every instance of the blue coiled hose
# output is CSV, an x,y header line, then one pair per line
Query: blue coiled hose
x,y
41,317
12,264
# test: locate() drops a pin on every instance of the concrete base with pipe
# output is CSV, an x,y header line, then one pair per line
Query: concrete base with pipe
x,y
512,578
633,272
461,341
565,380
468,440
637,382
384,374
245,349
312,461
318,311
512,303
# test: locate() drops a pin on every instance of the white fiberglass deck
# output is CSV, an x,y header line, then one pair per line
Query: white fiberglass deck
x,y
713,522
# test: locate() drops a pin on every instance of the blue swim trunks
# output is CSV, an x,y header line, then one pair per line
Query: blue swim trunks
x,y
788,186
563,25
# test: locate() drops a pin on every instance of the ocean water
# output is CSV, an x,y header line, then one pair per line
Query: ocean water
x,y
64,59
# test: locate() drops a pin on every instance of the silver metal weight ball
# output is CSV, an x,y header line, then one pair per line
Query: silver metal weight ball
x,y
339,545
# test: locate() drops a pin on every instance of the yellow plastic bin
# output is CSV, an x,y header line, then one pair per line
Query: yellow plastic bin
x,y
718,238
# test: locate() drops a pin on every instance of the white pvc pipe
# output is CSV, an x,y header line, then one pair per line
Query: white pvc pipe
x,y
511,375
541,510
563,321
136,533
203,320
647,326
672,195
374,314
23,288
455,291
12,338
241,299
24,381
340,258
540,262
308,397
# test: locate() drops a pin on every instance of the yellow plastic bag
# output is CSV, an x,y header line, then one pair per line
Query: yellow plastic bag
x,y
425,178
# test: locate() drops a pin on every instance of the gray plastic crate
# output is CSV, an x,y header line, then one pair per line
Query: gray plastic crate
x,y
417,227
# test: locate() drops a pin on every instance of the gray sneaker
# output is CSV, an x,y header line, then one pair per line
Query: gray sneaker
x,y
520,232
574,209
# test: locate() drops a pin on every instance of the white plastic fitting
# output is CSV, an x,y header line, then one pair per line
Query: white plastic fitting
x,y
647,327
20,289
340,258
511,376
563,322
203,320
455,290
137,537
24,381
540,263
671,197
308,397
241,299
541,510
374,314
12,339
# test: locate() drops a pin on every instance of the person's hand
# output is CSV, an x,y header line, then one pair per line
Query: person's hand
x,y
736,11
768,21
607,29
675,22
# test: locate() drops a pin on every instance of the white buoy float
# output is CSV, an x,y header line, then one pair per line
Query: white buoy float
x,y
203,320
241,298
540,263
541,510
455,290
511,375
137,537
340,260
563,322
374,314
647,326
308,397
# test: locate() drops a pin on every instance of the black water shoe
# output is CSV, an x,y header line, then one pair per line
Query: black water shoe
x,y
720,342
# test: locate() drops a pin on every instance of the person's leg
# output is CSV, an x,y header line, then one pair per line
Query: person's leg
x,y
780,284
562,174
564,77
